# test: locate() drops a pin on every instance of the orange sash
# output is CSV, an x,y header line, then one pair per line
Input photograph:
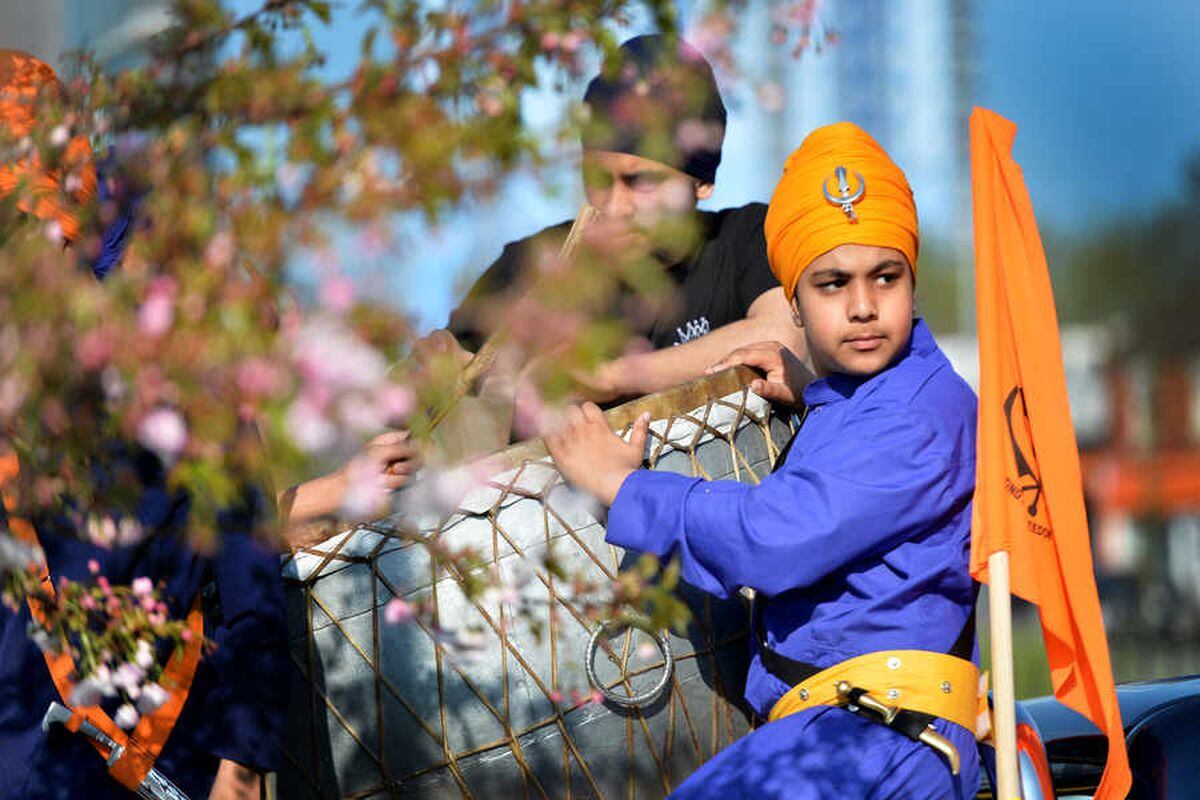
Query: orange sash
x,y
146,741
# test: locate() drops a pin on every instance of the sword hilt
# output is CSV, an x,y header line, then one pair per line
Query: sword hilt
x,y
58,714
887,714
861,698
155,786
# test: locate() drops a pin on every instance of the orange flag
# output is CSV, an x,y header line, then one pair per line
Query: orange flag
x,y
1028,491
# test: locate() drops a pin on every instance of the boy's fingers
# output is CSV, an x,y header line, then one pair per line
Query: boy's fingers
x,y
592,412
762,356
641,432
770,390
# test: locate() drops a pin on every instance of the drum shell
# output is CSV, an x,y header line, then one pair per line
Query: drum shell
x,y
380,710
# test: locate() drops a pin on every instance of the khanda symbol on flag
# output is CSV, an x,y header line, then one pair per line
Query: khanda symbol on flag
x,y
1024,467
1026,443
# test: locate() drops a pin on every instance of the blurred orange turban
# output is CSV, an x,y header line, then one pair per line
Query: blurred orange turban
x,y
22,79
804,223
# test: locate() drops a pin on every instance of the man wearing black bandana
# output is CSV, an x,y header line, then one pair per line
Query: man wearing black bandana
x,y
651,141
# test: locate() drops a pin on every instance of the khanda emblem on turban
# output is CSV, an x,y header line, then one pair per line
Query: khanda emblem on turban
x,y
1025,470
845,197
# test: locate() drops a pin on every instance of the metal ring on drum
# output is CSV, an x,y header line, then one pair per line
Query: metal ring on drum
x,y
664,647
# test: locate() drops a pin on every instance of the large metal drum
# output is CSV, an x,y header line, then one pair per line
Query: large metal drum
x,y
382,710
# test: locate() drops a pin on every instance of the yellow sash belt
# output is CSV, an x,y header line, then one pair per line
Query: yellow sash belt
x,y
916,680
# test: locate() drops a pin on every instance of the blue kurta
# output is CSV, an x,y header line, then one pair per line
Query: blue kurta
x,y
860,542
236,707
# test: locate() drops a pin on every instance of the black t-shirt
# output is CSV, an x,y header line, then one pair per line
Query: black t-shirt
x,y
716,285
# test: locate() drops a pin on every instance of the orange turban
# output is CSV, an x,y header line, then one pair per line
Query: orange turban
x,y
802,223
22,78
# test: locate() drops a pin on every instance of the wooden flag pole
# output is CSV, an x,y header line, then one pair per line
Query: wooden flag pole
x,y
1004,726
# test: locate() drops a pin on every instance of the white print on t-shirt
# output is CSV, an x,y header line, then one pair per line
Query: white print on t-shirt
x,y
693,329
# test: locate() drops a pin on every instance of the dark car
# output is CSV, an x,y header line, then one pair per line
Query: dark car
x,y
1062,754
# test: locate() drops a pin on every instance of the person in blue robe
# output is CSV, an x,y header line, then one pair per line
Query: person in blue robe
x,y
234,715
859,541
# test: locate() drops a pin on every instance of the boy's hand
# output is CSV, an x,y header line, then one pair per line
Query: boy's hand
x,y
591,456
786,375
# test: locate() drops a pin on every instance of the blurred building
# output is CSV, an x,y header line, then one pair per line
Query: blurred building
x,y
1137,422
902,69
116,31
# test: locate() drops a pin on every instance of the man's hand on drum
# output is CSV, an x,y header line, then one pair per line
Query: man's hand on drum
x,y
388,461
592,457
785,374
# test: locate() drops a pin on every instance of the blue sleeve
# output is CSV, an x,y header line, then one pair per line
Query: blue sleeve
x,y
886,479
248,702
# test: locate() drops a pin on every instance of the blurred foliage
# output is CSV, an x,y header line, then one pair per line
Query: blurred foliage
x,y
231,155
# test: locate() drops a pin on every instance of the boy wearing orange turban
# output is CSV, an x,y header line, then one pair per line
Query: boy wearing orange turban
x,y
857,545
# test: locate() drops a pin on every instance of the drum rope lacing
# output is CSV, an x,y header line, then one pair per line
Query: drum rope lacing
x,y
572,759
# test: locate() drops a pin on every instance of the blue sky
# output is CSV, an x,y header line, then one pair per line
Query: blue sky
x,y
1105,94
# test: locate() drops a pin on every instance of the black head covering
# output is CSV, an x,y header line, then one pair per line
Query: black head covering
x,y
657,98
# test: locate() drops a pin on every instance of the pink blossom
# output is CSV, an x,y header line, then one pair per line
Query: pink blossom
x,y
93,566
54,232
126,717
396,403
12,394
571,41
329,355
360,415
87,602
337,293
60,136
128,678
489,103
142,587
163,431
148,604
258,377
87,692
398,611
129,531
219,250
186,635
102,582
308,427
153,696
94,349
156,315
144,657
